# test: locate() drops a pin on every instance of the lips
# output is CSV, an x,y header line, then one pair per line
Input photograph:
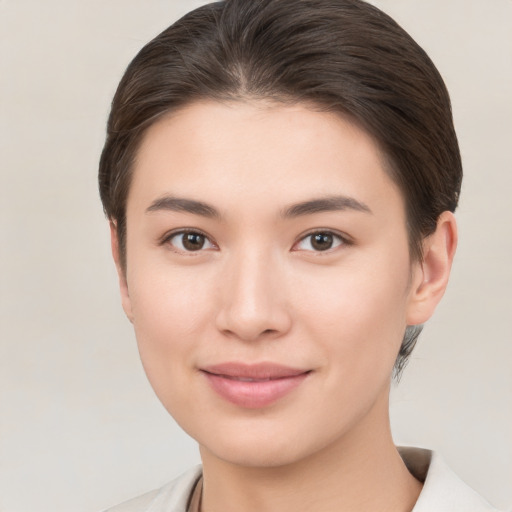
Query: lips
x,y
253,386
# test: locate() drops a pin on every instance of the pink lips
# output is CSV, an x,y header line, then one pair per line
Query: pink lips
x,y
253,386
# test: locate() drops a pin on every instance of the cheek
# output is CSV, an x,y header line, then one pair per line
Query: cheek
x,y
170,318
169,302
357,314
357,322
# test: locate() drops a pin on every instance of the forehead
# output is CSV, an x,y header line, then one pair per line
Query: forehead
x,y
258,150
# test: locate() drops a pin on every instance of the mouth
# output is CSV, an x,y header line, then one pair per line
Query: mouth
x,y
253,386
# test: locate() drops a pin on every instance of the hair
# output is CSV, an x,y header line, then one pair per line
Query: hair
x,y
343,56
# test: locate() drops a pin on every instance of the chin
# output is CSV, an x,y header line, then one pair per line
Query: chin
x,y
266,444
265,453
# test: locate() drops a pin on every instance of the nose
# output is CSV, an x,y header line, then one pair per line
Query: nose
x,y
254,303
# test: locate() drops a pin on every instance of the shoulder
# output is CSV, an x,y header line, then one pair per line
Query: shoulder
x,y
443,490
137,504
172,497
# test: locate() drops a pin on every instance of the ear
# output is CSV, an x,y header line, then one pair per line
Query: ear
x,y
430,276
121,273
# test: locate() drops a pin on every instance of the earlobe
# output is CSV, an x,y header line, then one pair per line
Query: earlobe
x,y
121,273
432,273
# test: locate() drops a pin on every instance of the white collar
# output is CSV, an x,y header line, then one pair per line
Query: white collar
x,y
443,490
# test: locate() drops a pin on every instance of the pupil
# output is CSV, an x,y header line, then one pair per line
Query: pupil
x,y
193,241
322,241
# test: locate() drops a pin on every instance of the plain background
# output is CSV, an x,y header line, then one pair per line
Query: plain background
x,y
80,428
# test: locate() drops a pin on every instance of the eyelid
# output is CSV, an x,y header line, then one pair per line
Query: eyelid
x,y
165,239
345,239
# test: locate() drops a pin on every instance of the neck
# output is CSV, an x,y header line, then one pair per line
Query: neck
x,y
360,471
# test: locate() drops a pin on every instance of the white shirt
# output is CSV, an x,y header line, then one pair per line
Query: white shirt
x,y
442,490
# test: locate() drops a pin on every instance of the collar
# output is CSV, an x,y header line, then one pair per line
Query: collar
x,y
443,491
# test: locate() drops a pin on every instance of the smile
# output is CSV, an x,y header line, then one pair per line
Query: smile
x,y
253,386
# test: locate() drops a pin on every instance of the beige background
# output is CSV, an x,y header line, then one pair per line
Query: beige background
x,y
80,428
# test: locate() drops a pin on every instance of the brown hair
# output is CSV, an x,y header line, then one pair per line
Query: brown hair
x,y
344,56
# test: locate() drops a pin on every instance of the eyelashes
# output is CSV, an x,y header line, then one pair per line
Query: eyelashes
x,y
189,241
192,241
320,241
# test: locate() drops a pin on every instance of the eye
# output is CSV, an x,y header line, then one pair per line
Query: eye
x,y
320,241
189,241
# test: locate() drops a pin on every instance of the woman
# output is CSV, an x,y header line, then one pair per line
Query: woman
x,y
280,179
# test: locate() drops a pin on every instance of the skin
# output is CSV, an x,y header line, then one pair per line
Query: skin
x,y
258,291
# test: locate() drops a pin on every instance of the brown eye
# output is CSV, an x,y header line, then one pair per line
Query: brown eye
x,y
193,241
190,241
320,241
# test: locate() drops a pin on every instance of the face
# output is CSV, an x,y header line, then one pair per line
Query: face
x,y
268,277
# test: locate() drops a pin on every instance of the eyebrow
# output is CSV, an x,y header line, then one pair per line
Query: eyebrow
x,y
178,204
323,204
